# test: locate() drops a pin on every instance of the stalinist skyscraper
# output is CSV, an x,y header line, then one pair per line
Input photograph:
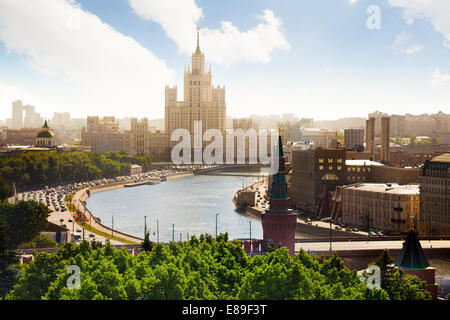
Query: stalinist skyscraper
x,y
202,102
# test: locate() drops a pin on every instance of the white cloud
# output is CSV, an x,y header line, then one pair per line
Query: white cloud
x,y
404,43
436,11
446,43
352,1
100,67
438,78
226,46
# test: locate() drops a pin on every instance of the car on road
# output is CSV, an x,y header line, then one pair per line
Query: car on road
x,y
91,235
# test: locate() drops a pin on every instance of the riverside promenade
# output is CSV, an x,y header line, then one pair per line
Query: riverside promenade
x,y
79,200
314,229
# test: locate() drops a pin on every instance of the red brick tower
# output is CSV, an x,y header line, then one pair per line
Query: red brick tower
x,y
279,222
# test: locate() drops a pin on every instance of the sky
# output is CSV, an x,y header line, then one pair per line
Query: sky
x,y
325,59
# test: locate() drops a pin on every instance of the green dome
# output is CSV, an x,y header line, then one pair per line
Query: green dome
x,y
45,134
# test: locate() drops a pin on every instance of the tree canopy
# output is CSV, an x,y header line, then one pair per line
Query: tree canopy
x,y
24,220
36,169
397,284
190,270
5,190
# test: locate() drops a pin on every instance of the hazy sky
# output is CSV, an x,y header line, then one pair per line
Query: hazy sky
x,y
316,58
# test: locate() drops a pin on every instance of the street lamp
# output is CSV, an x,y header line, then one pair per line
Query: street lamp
x,y
173,232
250,230
157,231
331,231
145,226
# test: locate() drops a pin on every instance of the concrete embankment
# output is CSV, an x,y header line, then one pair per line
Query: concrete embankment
x,y
302,227
305,228
81,196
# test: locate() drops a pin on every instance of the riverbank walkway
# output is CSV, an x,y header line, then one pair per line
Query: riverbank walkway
x,y
79,200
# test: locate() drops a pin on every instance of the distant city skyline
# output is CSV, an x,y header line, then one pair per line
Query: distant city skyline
x,y
312,59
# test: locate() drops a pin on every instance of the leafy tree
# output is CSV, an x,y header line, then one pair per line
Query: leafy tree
x,y
199,269
397,284
36,169
25,220
5,190
147,245
41,241
9,272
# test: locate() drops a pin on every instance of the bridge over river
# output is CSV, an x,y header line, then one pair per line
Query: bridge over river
x,y
242,170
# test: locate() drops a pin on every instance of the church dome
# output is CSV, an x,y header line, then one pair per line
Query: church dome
x,y
45,134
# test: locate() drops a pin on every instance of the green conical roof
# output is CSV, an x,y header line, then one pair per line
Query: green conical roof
x,y
45,124
280,147
412,255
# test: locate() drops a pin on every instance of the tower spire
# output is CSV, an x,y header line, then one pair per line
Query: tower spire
x,y
198,40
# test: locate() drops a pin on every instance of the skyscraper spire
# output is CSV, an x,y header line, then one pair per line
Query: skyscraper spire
x,y
198,41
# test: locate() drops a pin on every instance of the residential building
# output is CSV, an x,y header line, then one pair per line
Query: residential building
x,y
17,115
202,102
354,139
317,172
386,206
435,196
321,138
244,124
102,135
311,170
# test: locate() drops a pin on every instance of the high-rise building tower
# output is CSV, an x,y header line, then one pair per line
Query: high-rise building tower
x,y
370,136
17,114
202,102
385,155
279,222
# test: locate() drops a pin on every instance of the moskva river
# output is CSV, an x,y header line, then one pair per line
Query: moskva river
x,y
188,205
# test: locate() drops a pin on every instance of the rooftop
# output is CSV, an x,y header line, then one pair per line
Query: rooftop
x,y
362,163
412,255
442,158
391,188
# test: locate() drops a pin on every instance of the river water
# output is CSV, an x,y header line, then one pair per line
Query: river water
x,y
190,203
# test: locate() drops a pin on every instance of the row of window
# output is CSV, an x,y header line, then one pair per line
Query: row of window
x,y
330,160
331,167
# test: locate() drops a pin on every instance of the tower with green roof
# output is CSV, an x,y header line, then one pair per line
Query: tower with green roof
x,y
46,138
279,222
